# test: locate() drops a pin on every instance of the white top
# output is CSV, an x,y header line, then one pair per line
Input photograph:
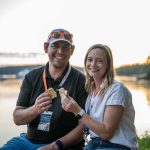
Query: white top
x,y
117,94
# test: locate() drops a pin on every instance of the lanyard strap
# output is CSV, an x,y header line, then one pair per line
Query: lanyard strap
x,y
62,81
44,80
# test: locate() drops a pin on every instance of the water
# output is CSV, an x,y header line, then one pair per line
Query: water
x,y
8,94
141,100
9,90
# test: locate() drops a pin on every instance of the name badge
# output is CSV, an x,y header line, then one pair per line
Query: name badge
x,y
45,120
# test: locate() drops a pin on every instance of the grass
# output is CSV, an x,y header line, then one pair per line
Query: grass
x,y
144,141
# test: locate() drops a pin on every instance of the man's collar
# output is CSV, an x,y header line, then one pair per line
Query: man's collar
x,y
58,79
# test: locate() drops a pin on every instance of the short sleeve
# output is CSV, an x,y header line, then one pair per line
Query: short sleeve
x,y
119,95
25,92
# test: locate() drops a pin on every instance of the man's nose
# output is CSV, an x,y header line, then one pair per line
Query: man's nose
x,y
60,50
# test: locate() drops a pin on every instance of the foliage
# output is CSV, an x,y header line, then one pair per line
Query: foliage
x,y
144,141
137,70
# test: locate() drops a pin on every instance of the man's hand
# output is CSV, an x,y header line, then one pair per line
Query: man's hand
x,y
43,102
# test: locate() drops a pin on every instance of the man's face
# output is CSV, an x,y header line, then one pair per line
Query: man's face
x,y
59,53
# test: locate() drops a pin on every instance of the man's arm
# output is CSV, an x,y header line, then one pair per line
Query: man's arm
x,y
72,138
23,115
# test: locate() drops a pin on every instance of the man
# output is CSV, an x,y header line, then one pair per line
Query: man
x,y
49,127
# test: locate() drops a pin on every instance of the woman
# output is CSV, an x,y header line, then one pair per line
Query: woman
x,y
109,109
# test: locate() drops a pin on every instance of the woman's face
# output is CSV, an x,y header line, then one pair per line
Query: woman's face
x,y
96,63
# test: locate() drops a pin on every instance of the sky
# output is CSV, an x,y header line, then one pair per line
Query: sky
x,y
123,25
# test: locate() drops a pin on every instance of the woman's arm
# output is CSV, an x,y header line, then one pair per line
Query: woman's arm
x,y
106,129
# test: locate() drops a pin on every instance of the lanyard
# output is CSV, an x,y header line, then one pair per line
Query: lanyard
x,y
62,81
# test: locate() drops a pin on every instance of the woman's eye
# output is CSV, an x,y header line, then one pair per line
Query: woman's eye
x,y
100,61
89,60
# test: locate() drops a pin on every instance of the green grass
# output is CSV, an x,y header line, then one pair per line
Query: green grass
x,y
144,141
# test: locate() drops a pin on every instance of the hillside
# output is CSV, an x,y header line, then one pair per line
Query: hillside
x,y
9,72
139,71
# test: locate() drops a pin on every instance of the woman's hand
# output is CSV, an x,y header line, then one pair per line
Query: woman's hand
x,y
70,105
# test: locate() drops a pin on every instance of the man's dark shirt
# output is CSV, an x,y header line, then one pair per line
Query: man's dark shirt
x,y
62,122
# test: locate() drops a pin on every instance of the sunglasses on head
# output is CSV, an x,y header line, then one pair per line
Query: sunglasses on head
x,y
57,35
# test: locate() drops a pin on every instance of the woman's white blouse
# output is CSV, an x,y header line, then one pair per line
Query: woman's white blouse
x,y
117,94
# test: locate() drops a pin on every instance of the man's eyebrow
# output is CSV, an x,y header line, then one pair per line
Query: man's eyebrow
x,y
57,44
54,44
67,44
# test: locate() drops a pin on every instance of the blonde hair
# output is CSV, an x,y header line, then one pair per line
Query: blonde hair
x,y
109,75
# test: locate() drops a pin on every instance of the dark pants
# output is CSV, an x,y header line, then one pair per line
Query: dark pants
x,y
98,144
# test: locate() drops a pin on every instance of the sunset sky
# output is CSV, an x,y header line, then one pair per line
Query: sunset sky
x,y
123,25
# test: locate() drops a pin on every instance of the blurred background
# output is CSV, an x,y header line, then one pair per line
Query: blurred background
x,y
122,25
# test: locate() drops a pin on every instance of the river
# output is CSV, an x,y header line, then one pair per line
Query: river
x,y
9,90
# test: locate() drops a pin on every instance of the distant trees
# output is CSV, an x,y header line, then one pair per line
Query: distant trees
x,y
141,71
148,60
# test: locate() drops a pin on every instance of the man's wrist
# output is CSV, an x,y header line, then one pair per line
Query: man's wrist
x,y
59,144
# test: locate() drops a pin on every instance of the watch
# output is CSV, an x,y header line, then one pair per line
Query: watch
x,y
80,114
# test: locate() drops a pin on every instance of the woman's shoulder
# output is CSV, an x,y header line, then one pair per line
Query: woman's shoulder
x,y
120,87
118,84
119,94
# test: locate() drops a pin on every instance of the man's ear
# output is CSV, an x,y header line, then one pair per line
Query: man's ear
x,y
46,47
72,49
